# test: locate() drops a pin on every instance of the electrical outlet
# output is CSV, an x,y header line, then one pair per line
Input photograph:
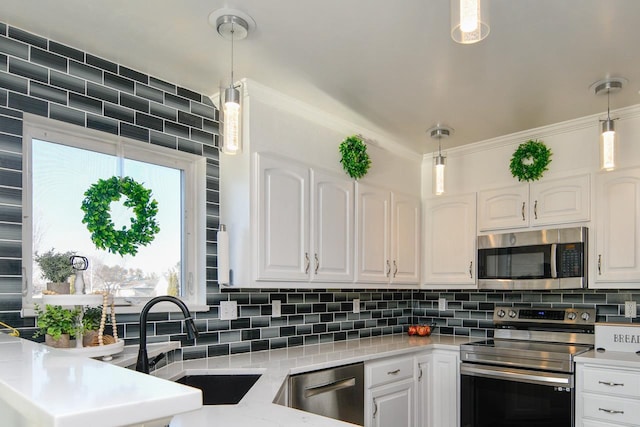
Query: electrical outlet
x,y
276,308
356,305
442,304
228,310
630,309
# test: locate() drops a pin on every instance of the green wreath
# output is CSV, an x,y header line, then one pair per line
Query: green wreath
x,y
530,160
97,215
355,160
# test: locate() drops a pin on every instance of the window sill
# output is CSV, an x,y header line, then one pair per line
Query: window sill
x,y
136,308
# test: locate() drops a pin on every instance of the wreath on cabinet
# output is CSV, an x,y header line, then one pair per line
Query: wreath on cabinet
x,y
97,215
530,160
355,160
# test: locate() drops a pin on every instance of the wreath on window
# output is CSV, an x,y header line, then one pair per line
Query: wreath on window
x,y
355,160
530,160
97,215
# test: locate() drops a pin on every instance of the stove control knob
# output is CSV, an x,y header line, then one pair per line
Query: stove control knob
x,y
572,315
512,314
500,313
585,316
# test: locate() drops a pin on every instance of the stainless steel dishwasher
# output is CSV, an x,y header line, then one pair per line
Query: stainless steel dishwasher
x,y
336,393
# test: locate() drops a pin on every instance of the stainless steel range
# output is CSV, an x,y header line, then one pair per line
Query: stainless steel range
x,y
524,376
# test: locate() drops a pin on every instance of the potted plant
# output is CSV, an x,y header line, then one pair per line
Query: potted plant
x,y
57,324
90,325
56,268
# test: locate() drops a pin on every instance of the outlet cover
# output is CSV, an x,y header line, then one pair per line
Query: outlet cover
x,y
276,308
442,304
630,309
228,310
356,305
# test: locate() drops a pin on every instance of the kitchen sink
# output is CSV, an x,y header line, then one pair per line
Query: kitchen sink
x,y
220,389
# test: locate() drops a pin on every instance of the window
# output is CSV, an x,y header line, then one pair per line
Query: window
x,y
61,163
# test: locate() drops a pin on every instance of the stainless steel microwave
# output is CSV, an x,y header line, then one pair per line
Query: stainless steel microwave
x,y
541,259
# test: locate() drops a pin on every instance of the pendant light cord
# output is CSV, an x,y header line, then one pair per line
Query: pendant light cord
x,y
232,34
608,94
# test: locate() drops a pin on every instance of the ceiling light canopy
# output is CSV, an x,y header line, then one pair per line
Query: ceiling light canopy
x,y
469,20
608,136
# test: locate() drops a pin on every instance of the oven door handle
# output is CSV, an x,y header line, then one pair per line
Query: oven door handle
x,y
554,261
518,375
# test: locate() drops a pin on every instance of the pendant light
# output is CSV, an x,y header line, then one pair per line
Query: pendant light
x,y
439,132
608,137
231,27
469,20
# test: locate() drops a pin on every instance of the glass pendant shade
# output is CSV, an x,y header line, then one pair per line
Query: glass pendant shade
x,y
469,20
231,126
438,174
608,140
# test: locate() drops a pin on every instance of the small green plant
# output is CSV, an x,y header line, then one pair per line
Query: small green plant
x,y
56,266
55,321
91,318
355,160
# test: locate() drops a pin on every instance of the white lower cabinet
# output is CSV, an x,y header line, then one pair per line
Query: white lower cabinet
x,y
607,396
437,389
390,393
419,391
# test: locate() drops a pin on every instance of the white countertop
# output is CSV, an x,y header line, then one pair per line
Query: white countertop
x,y
610,358
257,409
41,386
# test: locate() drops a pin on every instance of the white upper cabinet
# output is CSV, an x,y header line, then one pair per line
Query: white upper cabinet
x,y
388,227
553,201
450,240
332,225
617,250
305,223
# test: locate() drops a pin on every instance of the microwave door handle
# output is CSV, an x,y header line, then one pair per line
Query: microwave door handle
x,y
554,266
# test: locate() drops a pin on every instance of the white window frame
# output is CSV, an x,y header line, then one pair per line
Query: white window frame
x,y
194,177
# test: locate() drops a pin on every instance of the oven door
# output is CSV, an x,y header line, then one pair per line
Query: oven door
x,y
493,396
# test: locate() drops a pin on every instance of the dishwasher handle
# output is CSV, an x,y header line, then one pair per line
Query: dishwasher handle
x,y
329,387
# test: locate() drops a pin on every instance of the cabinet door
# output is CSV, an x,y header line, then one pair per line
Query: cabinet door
x,y
283,220
332,228
503,208
444,391
450,240
374,261
560,201
405,243
618,226
392,405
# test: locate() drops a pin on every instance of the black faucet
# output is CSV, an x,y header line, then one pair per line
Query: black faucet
x,y
143,360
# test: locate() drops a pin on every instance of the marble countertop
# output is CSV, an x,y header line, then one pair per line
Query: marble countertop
x,y
257,408
41,386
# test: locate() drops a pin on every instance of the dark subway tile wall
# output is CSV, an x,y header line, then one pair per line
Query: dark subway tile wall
x,y
47,78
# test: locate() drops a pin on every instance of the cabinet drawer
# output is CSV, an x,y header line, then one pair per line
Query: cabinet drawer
x,y
388,371
609,408
617,382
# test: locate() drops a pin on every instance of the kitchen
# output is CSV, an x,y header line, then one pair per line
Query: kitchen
x,y
385,311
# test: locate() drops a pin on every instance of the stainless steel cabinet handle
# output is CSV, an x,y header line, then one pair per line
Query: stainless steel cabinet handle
x,y
396,372
307,262
317,263
395,268
535,210
599,264
388,268
471,270
419,371
610,384
523,205
610,411
375,408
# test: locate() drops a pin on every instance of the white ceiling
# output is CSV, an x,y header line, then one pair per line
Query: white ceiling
x,y
385,64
